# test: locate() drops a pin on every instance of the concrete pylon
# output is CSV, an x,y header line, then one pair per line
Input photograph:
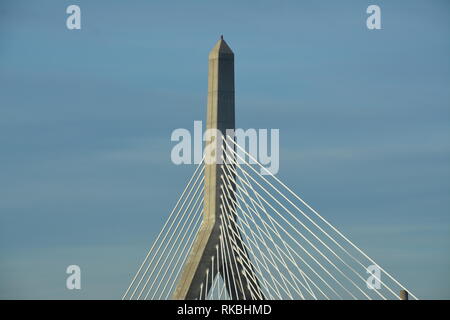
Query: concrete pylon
x,y
220,116
403,295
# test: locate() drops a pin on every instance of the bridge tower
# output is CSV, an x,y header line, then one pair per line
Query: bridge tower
x,y
220,116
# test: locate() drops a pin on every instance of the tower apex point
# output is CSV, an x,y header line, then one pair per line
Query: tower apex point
x,y
220,48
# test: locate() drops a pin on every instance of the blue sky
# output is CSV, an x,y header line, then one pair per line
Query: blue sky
x,y
86,118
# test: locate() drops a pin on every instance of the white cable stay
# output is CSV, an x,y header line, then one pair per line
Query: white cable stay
x,y
272,263
266,232
309,254
176,232
287,248
270,245
309,242
257,246
160,239
178,253
261,239
229,139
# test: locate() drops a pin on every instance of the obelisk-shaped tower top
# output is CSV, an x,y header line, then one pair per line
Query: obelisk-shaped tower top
x,y
220,117
221,48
